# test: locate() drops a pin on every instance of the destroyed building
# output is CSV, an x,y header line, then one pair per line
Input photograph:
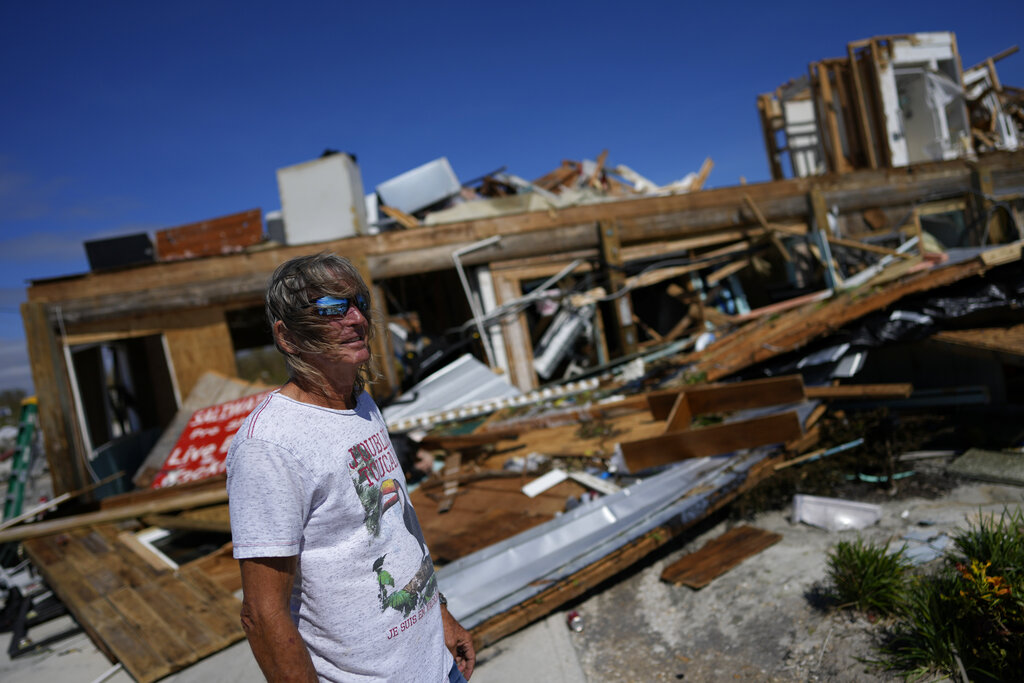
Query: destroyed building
x,y
580,281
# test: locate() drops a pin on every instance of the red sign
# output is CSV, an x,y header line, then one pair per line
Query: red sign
x,y
202,447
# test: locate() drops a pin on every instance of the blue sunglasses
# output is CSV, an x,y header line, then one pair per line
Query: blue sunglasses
x,y
329,305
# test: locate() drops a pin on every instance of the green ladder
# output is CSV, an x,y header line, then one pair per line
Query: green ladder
x,y
28,421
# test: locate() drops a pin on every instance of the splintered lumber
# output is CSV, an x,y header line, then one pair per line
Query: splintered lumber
x,y
53,526
718,556
792,330
401,217
721,398
154,621
697,443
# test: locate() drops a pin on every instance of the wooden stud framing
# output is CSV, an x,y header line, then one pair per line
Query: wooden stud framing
x,y
611,251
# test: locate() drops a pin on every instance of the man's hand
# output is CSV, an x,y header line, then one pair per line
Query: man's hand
x,y
459,643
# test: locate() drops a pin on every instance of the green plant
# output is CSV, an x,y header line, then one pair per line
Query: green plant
x,y
868,576
999,542
971,613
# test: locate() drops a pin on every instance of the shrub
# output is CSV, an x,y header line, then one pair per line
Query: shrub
x,y
970,615
868,576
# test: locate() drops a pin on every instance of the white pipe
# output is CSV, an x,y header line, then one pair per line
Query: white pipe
x,y
476,246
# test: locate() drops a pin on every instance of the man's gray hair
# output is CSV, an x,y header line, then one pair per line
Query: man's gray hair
x,y
291,291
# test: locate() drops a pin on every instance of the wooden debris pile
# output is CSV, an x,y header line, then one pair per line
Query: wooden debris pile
x,y
892,101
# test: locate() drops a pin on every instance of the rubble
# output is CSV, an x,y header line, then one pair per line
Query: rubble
x,y
597,363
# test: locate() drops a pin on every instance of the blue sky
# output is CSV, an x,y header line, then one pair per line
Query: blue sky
x,y
123,117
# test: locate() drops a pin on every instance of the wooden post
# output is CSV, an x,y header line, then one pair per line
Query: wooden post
x,y
381,344
862,107
819,213
981,180
611,251
56,406
765,108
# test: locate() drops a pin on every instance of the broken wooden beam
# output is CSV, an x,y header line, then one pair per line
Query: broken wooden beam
x,y
53,526
895,390
727,397
697,443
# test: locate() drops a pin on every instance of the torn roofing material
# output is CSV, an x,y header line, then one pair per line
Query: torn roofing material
x,y
499,577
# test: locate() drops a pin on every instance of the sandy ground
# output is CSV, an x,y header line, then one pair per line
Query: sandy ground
x,y
754,623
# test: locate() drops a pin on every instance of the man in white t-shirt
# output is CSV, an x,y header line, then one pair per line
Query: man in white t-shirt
x,y
337,580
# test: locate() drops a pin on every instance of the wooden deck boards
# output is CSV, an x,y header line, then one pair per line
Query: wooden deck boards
x,y
154,621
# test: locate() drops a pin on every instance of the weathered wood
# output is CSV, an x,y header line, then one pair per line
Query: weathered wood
x,y
655,451
718,556
121,639
221,567
898,390
54,526
797,327
680,418
720,398
56,415
223,235
611,253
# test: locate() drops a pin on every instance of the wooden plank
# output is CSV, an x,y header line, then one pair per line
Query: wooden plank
x,y
187,523
56,417
219,609
727,397
725,271
681,416
53,526
138,548
860,100
451,483
718,556
151,627
696,443
611,252
896,390
864,246
218,614
221,567
401,217
799,326
183,618
123,641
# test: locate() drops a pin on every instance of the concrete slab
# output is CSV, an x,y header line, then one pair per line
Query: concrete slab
x,y
998,466
543,651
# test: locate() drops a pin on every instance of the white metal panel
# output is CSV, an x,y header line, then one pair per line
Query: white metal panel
x,y
322,200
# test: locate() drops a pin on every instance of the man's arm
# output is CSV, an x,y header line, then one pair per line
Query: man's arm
x,y
459,643
275,642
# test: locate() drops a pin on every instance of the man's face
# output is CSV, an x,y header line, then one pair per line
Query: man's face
x,y
349,334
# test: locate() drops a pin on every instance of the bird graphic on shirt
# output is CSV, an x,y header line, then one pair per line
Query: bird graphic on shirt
x,y
417,592
391,494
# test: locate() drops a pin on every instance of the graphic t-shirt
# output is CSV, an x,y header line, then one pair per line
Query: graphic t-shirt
x,y
325,485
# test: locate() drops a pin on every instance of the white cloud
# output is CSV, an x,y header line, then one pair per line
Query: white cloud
x,y
15,372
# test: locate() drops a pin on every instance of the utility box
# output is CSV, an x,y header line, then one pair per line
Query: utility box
x,y
119,252
322,200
